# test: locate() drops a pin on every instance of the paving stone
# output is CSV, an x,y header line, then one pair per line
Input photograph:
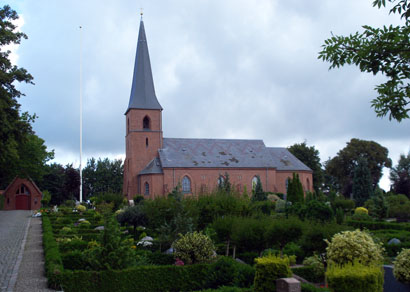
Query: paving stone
x,y
13,227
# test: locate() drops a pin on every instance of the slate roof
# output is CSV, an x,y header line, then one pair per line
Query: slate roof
x,y
225,153
143,91
282,159
153,167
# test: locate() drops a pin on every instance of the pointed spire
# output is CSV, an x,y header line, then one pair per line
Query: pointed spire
x,y
143,91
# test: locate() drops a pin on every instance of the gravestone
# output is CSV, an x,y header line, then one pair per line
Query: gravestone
x,y
288,285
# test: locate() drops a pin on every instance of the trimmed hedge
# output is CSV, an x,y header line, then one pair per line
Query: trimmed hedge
x,y
309,273
311,288
53,262
144,279
377,225
355,278
268,270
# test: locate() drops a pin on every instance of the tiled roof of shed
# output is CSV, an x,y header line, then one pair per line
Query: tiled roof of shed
x,y
226,153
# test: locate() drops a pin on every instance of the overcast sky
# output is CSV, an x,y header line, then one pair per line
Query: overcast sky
x,y
222,69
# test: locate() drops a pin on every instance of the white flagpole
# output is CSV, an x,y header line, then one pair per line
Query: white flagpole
x,y
81,113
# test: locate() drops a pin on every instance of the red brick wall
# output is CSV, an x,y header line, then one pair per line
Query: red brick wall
x,y
138,153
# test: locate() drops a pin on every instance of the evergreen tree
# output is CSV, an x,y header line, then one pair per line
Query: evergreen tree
x,y
400,176
295,190
258,193
362,188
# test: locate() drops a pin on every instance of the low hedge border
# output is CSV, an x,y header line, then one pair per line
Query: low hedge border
x,y
144,279
355,278
377,225
309,274
53,263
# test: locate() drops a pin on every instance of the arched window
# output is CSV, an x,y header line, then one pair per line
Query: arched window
x,y
146,123
308,184
128,125
287,184
146,142
186,185
146,190
221,181
254,182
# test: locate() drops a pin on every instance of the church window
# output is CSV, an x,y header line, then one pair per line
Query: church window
x,y
146,191
146,123
287,184
128,125
254,182
146,142
186,185
221,181
308,184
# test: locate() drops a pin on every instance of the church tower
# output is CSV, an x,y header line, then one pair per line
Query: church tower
x,y
143,121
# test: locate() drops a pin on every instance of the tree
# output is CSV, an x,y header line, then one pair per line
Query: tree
x,y
257,193
400,176
362,188
341,167
379,50
281,232
133,216
103,175
53,181
295,190
22,152
310,157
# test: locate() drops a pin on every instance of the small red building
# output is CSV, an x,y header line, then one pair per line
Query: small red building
x,y
22,194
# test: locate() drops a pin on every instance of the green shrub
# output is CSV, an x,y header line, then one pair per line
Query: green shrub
x,y
355,278
309,273
318,211
224,272
393,249
401,269
112,251
159,258
311,288
74,260
265,207
313,271
141,278
248,257
361,217
193,248
345,205
348,246
53,262
246,275
340,216
81,208
293,249
70,244
268,270
376,225
65,220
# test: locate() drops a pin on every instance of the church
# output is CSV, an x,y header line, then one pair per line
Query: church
x,y
155,165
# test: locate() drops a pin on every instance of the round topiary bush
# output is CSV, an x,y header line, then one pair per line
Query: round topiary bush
x,y
350,246
193,247
361,211
401,269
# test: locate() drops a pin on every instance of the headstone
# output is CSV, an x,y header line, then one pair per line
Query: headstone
x,y
99,228
288,285
394,241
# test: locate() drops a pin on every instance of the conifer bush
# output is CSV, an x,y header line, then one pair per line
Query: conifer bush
x,y
401,269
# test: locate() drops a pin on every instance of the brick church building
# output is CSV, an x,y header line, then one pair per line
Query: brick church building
x,y
154,165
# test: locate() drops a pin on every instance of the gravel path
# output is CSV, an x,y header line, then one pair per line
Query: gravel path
x,y
13,229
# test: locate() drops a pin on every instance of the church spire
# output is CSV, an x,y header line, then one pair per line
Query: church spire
x,y
143,91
